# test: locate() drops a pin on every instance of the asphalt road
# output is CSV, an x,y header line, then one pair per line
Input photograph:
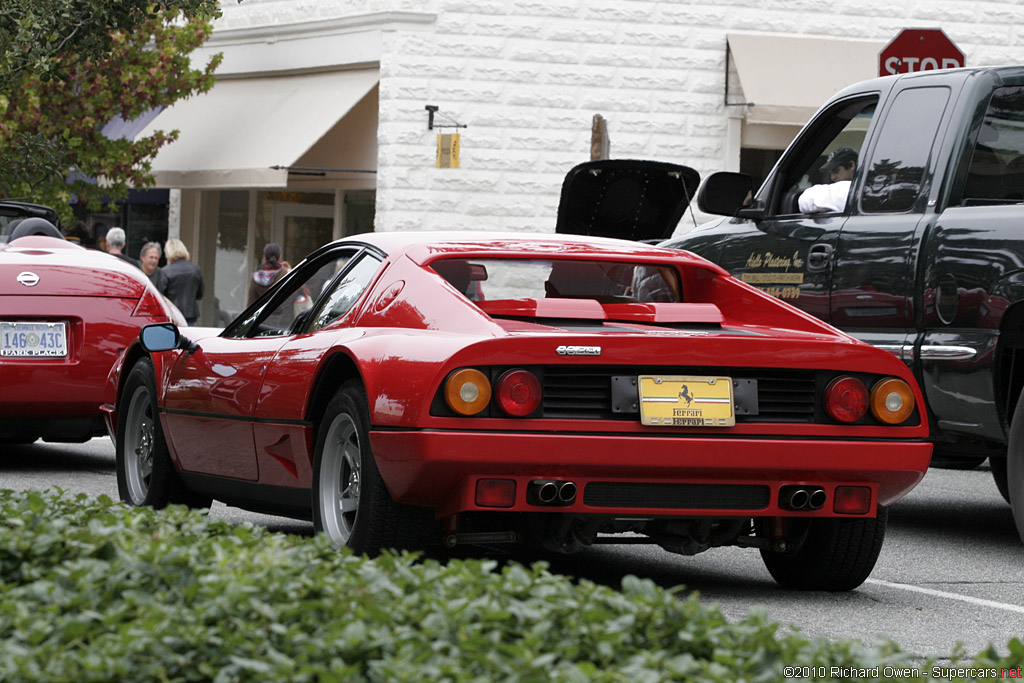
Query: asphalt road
x,y
951,570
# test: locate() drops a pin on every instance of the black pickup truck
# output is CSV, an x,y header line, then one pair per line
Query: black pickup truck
x,y
926,259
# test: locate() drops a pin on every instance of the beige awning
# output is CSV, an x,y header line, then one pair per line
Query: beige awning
x,y
232,136
787,78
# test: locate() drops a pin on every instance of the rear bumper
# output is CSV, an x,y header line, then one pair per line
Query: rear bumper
x,y
440,469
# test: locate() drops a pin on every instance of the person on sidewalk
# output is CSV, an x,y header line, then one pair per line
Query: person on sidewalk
x,y
184,280
115,246
268,274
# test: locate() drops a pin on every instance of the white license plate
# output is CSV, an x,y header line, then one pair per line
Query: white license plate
x,y
33,340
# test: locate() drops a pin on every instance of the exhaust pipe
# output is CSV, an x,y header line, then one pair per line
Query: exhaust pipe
x,y
802,497
547,492
552,493
798,499
567,493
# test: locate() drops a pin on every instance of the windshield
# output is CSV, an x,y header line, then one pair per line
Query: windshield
x,y
12,213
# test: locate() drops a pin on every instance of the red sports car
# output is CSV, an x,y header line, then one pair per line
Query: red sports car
x,y
66,313
408,389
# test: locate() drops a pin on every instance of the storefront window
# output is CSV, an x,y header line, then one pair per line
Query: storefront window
x,y
299,221
360,208
232,266
758,163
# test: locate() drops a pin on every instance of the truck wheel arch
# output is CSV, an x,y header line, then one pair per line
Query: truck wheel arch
x,y
1010,362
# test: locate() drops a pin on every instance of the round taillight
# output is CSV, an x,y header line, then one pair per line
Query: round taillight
x,y
846,399
892,401
518,392
467,391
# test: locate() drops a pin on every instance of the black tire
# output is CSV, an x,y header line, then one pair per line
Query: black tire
x,y
145,474
1015,466
998,466
350,502
836,555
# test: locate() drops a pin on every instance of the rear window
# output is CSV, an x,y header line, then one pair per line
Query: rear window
x,y
604,281
996,171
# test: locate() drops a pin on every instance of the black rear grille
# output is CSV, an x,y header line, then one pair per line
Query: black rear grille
x,y
578,394
783,396
586,392
677,496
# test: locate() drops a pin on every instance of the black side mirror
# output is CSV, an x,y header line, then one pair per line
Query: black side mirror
x,y
164,337
725,193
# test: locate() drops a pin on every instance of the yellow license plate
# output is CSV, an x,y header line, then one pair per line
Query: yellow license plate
x,y
683,401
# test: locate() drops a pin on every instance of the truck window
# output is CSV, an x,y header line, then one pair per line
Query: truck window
x,y
995,174
896,172
843,127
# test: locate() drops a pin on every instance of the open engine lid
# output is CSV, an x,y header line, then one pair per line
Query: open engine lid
x,y
630,199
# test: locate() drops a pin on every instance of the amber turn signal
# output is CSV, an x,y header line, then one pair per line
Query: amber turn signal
x,y
892,401
467,391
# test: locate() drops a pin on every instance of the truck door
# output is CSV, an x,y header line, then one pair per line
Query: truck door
x,y
973,275
872,292
788,252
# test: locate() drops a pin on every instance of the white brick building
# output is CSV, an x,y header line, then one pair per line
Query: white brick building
x,y
526,80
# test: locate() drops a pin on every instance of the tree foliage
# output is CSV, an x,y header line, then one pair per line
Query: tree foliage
x,y
67,67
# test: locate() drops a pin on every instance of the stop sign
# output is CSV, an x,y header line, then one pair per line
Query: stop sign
x,y
919,49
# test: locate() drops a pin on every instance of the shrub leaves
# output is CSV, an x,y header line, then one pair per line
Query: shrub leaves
x,y
93,591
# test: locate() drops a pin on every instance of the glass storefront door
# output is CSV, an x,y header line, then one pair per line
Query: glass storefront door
x,y
302,228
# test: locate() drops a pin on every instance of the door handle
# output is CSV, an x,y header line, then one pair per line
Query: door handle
x,y
818,256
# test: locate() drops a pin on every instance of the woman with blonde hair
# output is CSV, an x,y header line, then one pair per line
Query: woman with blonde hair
x,y
184,280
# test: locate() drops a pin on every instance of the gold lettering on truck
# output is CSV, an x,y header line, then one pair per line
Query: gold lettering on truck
x,y
773,278
776,279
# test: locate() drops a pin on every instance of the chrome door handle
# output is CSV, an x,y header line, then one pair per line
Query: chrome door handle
x,y
818,256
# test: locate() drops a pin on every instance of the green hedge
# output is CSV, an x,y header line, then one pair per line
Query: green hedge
x,y
92,591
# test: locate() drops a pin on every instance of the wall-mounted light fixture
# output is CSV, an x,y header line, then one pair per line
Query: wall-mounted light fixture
x,y
433,109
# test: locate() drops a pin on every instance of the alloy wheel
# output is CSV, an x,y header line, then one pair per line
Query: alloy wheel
x,y
138,447
340,479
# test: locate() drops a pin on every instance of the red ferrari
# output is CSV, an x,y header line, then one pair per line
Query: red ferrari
x,y
66,314
413,389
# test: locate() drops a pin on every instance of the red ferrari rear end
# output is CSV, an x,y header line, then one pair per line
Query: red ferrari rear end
x,y
66,313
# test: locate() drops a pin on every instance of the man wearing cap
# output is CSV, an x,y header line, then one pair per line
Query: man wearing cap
x,y
831,197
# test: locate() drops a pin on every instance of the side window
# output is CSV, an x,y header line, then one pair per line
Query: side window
x,y
345,291
288,305
896,173
995,174
827,153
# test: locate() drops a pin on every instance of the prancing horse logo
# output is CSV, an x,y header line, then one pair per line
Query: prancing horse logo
x,y
685,395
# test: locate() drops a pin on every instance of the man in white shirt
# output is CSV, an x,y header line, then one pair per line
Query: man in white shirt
x,y
831,197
